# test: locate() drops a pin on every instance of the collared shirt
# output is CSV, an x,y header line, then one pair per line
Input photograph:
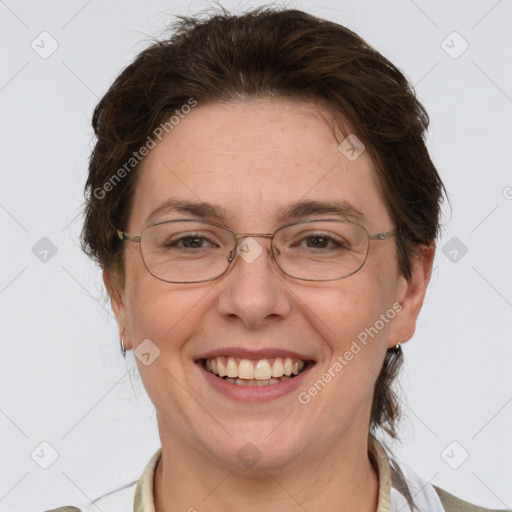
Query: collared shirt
x,y
397,487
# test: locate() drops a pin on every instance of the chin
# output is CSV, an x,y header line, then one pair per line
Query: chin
x,y
258,447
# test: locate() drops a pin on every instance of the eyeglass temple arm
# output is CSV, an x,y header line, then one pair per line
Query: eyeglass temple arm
x,y
126,238
383,236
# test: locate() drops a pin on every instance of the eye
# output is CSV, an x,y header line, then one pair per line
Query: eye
x,y
190,241
323,241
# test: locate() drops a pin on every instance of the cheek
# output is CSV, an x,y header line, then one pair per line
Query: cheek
x,y
162,312
169,315
349,321
344,310
156,310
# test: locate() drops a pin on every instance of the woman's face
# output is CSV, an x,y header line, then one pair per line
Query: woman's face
x,y
253,158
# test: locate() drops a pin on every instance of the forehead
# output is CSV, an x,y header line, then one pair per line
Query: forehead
x,y
253,159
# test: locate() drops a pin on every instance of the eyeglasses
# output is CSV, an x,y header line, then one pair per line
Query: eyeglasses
x,y
193,251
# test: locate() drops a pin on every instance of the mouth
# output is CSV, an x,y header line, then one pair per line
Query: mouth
x,y
255,372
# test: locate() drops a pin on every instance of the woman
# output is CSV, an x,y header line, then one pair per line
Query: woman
x,y
265,211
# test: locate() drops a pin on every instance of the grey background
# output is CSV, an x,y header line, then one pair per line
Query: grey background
x,y
62,378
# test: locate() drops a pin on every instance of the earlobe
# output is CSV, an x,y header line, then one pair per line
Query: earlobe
x,y
118,307
410,294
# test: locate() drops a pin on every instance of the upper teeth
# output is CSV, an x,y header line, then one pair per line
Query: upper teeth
x,y
264,369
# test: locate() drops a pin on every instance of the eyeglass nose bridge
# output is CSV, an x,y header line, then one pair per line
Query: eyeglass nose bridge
x,y
241,236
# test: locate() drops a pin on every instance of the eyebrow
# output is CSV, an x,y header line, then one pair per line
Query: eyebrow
x,y
292,211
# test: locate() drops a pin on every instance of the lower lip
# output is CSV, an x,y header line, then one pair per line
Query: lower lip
x,y
254,393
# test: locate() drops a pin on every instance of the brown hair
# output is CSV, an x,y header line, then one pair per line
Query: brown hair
x,y
262,53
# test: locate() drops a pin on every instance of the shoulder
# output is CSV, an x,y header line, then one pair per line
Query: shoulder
x,y
64,509
123,498
120,499
453,504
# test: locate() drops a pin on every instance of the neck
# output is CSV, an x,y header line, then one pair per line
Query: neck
x,y
188,480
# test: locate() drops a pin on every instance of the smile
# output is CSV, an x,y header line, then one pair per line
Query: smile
x,y
261,372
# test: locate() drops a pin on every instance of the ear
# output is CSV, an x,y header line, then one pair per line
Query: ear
x,y
116,294
410,294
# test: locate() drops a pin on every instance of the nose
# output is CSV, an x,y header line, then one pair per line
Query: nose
x,y
253,289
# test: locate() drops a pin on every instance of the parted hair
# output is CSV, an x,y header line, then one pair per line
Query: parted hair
x,y
268,52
